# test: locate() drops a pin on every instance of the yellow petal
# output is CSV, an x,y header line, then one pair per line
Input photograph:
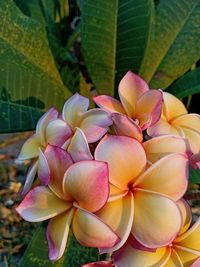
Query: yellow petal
x,y
193,138
118,215
162,127
168,176
128,256
191,121
158,147
186,215
153,225
91,231
29,149
125,157
187,256
191,238
172,107
57,240
174,260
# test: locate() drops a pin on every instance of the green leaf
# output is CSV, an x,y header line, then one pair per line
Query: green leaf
x,y
174,42
75,255
114,35
187,85
29,80
194,176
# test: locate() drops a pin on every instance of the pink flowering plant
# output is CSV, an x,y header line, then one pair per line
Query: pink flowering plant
x,y
115,177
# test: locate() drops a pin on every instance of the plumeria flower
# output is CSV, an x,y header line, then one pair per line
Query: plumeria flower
x,y
94,123
184,250
49,129
141,105
176,120
99,264
142,199
74,193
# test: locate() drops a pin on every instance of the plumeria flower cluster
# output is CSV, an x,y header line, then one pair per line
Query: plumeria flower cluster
x,y
116,176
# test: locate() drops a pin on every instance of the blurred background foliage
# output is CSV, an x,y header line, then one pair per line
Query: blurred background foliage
x,y
50,49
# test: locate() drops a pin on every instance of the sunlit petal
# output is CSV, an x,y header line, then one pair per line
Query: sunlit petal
x,y
125,156
58,161
158,147
168,176
153,225
116,193
131,87
194,139
172,106
118,215
50,115
30,178
150,103
57,240
29,149
57,132
90,231
123,125
128,256
73,108
94,124
78,147
41,204
87,183
109,103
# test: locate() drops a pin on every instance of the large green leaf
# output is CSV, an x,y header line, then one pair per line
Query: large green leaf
x,y
29,80
174,42
75,255
114,36
194,176
187,85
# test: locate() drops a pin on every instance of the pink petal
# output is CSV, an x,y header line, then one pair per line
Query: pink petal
x,y
123,125
78,147
90,231
109,103
131,88
150,103
73,108
168,176
50,115
58,161
57,132
87,183
118,215
95,124
158,147
57,240
43,168
41,204
29,149
30,178
196,263
125,157
153,226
